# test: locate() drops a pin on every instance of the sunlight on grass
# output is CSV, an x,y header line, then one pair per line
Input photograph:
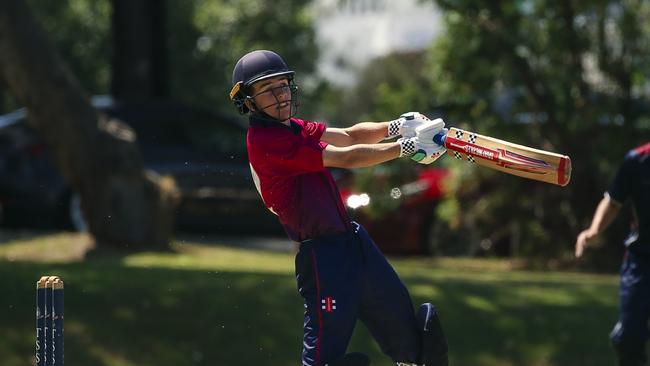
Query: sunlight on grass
x,y
474,264
216,258
541,353
109,357
425,291
491,270
47,247
548,296
486,359
479,303
203,303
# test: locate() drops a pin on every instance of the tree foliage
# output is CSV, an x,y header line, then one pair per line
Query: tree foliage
x,y
205,39
564,76
81,32
208,37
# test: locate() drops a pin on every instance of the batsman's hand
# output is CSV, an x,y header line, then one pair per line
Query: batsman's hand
x,y
585,238
422,147
430,150
406,124
426,131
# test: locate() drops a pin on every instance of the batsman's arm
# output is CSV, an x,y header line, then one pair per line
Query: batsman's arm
x,y
605,214
360,133
360,155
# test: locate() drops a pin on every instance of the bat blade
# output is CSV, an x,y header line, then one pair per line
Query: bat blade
x,y
508,157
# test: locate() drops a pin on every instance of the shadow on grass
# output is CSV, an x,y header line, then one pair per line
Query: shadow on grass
x,y
525,322
116,315
123,315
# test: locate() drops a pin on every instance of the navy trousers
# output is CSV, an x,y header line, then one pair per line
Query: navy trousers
x,y
343,278
630,334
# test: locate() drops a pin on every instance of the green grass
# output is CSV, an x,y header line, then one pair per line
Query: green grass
x,y
216,305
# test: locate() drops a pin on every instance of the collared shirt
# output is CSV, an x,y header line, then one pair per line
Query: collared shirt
x,y
287,167
632,182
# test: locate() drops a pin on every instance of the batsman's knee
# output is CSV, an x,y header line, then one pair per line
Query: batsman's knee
x,y
434,350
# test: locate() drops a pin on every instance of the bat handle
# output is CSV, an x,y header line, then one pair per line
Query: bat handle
x,y
440,138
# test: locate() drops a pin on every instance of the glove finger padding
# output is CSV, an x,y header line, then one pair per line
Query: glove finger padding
x,y
406,124
412,120
428,151
428,129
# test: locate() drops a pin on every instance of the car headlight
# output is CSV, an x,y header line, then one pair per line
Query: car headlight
x,y
355,201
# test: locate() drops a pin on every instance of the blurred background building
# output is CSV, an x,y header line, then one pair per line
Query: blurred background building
x,y
350,33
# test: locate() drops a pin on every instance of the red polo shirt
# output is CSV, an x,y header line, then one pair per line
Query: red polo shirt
x,y
287,167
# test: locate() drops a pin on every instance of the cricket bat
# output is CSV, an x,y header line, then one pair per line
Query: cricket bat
x,y
507,157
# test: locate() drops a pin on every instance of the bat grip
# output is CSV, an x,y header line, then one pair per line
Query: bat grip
x,y
440,138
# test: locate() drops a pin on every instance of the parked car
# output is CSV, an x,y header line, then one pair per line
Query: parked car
x,y
203,151
410,227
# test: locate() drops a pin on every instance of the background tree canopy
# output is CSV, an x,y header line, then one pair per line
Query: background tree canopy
x,y
204,40
208,37
564,76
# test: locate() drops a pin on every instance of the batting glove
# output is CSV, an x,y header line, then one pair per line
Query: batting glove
x,y
426,131
406,124
418,151
422,147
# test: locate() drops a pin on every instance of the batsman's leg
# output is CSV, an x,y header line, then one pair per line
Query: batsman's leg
x,y
434,343
630,335
386,308
328,277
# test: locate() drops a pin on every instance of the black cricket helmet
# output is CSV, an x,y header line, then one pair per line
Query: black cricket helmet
x,y
257,66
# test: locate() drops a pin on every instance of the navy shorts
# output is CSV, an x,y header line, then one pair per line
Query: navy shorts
x,y
345,277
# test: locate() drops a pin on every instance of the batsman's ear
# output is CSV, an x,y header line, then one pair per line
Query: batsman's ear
x,y
249,105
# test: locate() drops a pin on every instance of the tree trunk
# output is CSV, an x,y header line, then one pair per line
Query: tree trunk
x,y
124,205
139,49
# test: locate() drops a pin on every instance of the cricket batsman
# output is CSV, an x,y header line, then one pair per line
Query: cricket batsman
x,y
342,276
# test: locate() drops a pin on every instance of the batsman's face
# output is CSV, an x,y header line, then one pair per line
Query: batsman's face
x,y
273,97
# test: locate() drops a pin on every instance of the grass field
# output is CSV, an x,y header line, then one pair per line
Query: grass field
x,y
210,304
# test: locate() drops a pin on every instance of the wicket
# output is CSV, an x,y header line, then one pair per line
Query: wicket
x,y
49,321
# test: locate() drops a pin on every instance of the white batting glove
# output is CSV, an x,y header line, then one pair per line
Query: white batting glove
x,y
418,151
425,134
426,131
430,153
406,124
422,147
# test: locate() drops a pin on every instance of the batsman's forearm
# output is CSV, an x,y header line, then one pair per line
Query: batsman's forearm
x,y
368,132
605,214
361,155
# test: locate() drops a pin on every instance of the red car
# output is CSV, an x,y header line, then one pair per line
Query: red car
x,y
407,229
